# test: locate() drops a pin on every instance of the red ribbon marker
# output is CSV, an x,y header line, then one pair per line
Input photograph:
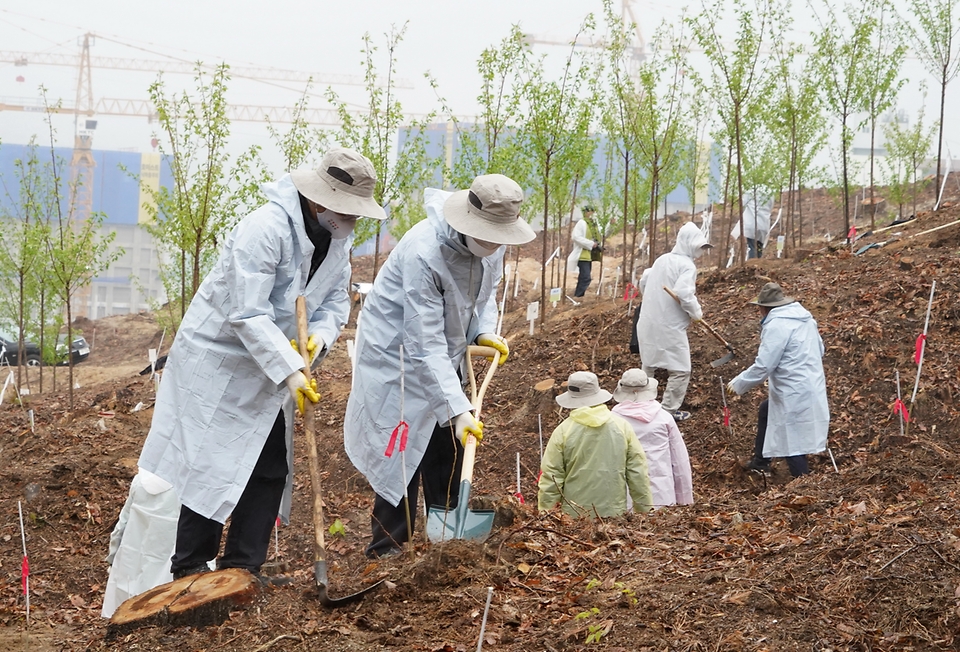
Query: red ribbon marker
x,y
519,497
726,416
901,408
627,294
921,342
402,430
852,233
24,574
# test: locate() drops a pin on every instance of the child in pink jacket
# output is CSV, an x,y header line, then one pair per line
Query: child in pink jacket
x,y
668,464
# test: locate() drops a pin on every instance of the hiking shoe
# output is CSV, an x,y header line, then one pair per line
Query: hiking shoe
x,y
681,415
193,570
759,466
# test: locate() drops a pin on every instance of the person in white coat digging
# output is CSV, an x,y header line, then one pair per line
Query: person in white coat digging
x,y
793,421
668,464
662,326
435,295
222,427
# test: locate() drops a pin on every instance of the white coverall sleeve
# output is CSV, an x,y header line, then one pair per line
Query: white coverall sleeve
x,y
680,460
425,339
643,279
580,235
686,289
251,276
773,341
333,312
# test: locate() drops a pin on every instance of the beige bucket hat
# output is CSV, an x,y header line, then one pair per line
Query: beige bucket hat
x,y
344,183
771,296
636,386
489,211
583,390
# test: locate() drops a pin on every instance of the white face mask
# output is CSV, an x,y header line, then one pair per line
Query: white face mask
x,y
340,226
480,248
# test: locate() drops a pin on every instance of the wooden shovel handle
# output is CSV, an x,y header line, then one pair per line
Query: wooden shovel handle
x,y
476,398
705,324
309,415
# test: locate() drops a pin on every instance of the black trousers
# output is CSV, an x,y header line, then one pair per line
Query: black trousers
x,y
252,520
796,463
584,268
439,471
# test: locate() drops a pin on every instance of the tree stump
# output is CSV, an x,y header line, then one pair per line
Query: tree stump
x,y
542,397
195,600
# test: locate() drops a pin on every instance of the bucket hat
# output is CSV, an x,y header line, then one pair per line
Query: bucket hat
x,y
343,183
489,210
583,390
771,296
636,386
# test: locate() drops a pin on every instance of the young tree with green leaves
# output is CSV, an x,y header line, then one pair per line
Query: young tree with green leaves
x,y
300,143
907,148
402,168
938,47
211,190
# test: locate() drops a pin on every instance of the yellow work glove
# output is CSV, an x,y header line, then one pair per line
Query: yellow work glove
x,y
466,424
495,341
315,345
731,392
299,388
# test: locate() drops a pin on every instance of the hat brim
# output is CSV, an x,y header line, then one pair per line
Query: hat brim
x,y
773,304
648,393
571,402
456,210
315,188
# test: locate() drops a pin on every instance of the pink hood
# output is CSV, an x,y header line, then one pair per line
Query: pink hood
x,y
641,411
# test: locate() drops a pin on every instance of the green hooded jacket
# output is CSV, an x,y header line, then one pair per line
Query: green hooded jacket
x,y
592,460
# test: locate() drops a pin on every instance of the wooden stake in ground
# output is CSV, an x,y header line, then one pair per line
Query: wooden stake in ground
x,y
196,600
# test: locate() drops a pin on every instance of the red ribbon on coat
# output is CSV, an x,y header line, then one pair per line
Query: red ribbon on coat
x,y
726,417
402,430
921,342
24,574
901,408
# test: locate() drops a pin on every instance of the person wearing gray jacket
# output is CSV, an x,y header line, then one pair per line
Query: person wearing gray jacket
x,y
222,428
435,295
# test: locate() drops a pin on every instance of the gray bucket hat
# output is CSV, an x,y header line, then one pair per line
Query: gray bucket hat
x,y
583,390
344,183
489,211
771,296
636,386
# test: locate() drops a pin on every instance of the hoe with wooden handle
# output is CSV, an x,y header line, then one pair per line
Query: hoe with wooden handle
x,y
716,363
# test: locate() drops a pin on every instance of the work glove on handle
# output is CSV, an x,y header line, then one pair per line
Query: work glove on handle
x,y
315,345
495,341
300,388
731,392
467,424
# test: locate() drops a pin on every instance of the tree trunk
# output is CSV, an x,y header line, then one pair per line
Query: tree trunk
x,y
543,259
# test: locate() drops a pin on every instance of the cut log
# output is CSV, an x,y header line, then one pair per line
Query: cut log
x,y
542,397
195,600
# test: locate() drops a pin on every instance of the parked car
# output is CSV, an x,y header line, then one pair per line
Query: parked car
x,y
79,350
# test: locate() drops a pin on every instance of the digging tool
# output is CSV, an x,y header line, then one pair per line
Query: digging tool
x,y
725,359
319,553
463,522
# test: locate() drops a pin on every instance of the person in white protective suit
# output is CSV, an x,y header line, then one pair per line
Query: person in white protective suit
x,y
662,326
222,429
793,421
758,205
668,464
586,247
142,541
435,294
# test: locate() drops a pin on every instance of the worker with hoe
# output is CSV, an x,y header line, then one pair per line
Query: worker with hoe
x,y
587,247
222,428
593,460
435,295
663,322
794,419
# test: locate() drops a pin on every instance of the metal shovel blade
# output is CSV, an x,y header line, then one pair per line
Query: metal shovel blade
x,y
320,573
460,522
724,360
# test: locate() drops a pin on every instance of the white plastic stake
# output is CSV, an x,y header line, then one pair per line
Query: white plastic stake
x,y
899,402
516,284
483,623
25,566
30,412
923,345
518,473
833,460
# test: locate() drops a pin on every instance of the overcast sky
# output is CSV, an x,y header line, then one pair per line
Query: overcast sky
x,y
444,37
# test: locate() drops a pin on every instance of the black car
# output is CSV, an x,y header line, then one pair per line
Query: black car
x,y
79,351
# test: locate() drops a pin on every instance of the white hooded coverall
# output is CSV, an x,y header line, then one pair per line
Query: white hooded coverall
x,y
223,383
433,297
662,327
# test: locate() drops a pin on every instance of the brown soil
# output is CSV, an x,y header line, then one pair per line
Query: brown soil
x,y
864,557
